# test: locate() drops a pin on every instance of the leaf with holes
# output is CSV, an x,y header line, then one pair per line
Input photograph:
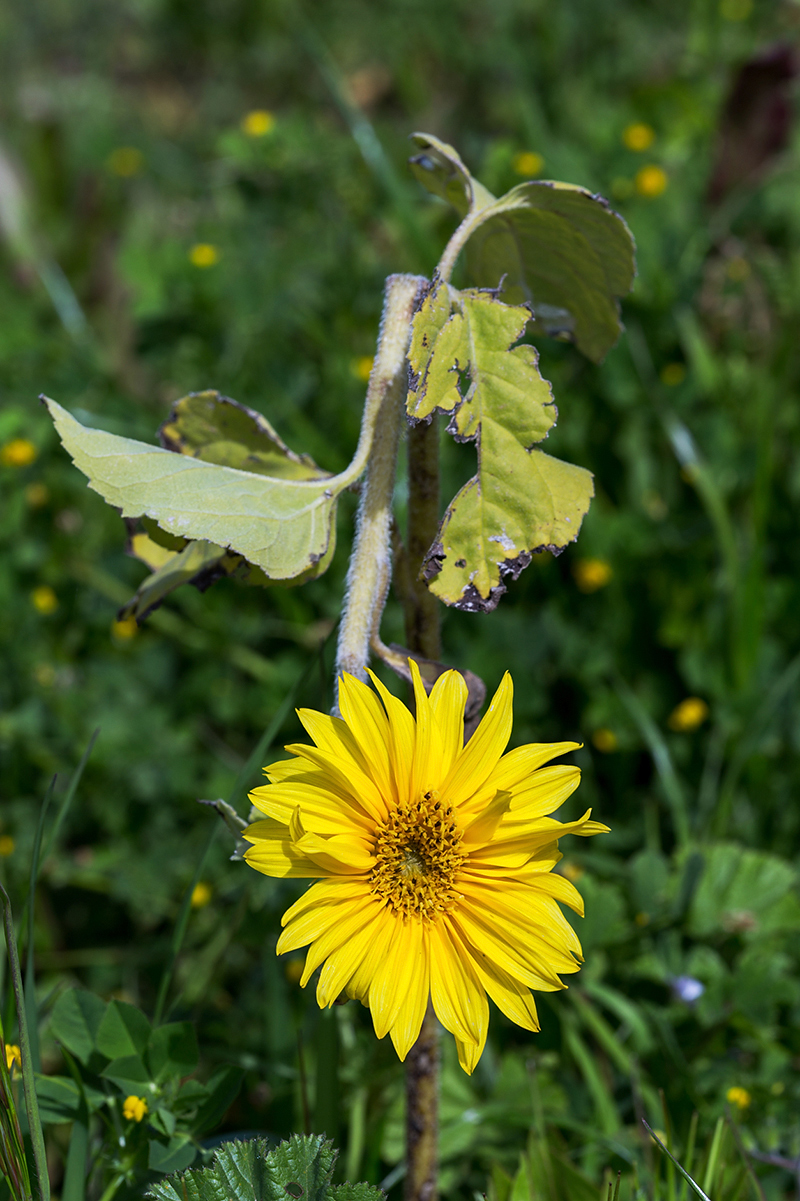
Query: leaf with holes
x,y
521,500
284,526
298,1170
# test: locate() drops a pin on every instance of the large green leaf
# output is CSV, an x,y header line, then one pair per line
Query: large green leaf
x,y
521,500
563,251
554,246
284,526
77,1015
249,1171
219,430
123,1030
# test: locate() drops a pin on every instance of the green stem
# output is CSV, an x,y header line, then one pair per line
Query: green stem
x,y
370,562
28,1082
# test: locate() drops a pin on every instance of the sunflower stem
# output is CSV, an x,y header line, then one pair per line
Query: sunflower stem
x,y
369,573
422,1113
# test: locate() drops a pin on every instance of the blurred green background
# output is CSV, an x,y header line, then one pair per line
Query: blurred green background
x,y
210,194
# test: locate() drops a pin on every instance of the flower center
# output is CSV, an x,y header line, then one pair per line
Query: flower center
x,y
418,856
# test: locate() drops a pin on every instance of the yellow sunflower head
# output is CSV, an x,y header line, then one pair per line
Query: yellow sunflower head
x,y
433,859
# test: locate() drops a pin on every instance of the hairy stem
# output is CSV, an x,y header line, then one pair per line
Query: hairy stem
x,y
369,573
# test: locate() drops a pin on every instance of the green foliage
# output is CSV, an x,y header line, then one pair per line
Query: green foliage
x,y
114,1054
249,1171
521,501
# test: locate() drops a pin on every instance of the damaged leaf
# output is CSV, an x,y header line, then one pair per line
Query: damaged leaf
x,y
521,500
284,526
556,247
219,430
198,563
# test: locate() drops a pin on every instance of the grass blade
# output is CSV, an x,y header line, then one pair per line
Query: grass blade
x,y
32,1011
681,1169
28,1082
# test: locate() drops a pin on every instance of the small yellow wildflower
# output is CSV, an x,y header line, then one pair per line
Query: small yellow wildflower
x,y
13,1057
36,495
19,452
738,1096
294,971
45,674
203,254
638,137
688,715
258,123
651,181
738,269
672,374
735,10
125,629
44,599
125,161
573,871
778,1088
7,845
433,860
604,740
134,1108
642,919
362,367
201,895
527,163
592,574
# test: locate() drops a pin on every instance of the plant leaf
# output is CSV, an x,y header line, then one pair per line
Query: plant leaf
x,y
565,252
76,1019
439,168
123,1030
249,1171
199,563
219,430
521,500
283,526
555,246
172,1051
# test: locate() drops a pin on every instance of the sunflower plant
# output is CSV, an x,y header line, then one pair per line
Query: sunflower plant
x,y
432,846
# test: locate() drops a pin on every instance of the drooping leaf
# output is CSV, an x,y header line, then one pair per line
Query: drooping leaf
x,y
554,246
199,563
173,1155
562,250
219,430
439,168
521,500
284,526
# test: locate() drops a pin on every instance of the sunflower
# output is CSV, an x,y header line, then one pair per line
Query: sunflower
x,y
433,859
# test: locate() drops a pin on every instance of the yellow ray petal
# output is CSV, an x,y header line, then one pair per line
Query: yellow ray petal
x,y
541,943
544,792
478,760
347,777
331,891
518,765
457,996
406,1027
447,702
470,1053
403,960
425,771
352,919
480,829
344,853
369,726
499,946
511,998
317,918
359,985
324,811
402,738
563,890
273,853
341,965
